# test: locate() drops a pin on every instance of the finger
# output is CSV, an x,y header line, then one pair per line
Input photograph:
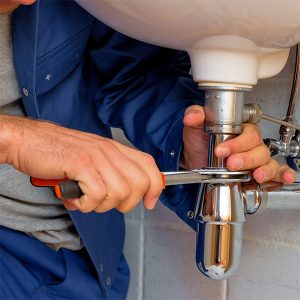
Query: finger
x,y
142,177
249,160
99,179
248,139
90,182
149,169
267,172
285,175
147,163
117,173
194,116
93,191
69,204
138,182
275,172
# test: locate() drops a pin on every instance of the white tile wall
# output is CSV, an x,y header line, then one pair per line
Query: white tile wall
x,y
161,249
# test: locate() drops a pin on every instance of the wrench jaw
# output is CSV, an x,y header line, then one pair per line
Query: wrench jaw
x,y
206,175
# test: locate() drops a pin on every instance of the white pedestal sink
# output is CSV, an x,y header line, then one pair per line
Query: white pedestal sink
x,y
229,41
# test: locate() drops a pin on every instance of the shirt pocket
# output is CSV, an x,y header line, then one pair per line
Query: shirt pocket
x,y
54,66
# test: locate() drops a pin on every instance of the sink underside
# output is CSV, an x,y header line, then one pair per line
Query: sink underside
x,y
181,24
248,29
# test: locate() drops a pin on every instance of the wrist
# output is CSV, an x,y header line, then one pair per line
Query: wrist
x,y
10,133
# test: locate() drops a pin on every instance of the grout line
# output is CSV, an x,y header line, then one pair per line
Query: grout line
x,y
224,289
274,244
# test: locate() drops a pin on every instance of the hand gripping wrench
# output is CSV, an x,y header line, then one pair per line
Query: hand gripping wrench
x,y
70,189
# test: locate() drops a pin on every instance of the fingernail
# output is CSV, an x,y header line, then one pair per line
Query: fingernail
x,y
289,177
152,203
150,206
264,176
222,152
191,112
237,164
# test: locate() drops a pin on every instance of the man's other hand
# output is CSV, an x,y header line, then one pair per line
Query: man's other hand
x,y
109,174
245,152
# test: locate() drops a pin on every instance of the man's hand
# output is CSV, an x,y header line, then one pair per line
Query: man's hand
x,y
110,174
245,152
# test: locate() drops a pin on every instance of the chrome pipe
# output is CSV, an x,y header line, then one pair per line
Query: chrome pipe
x,y
220,231
283,199
286,132
220,210
295,88
270,195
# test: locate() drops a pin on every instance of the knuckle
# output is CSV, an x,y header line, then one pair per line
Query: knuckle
x,y
123,193
257,136
90,203
124,208
100,194
85,208
249,161
144,183
103,207
117,195
100,210
129,204
149,159
158,189
272,172
107,145
82,159
266,153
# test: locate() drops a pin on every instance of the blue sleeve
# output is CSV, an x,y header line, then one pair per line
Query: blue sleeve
x,y
144,90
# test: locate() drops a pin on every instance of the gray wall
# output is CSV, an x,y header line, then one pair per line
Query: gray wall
x,y
160,249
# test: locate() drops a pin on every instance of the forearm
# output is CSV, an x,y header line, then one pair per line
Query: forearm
x,y
109,174
10,134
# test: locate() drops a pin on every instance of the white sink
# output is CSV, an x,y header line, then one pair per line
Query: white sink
x,y
229,41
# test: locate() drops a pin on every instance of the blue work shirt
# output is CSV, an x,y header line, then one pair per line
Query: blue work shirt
x,y
74,70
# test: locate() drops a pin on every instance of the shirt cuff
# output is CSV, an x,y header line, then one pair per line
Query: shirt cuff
x,y
173,147
181,199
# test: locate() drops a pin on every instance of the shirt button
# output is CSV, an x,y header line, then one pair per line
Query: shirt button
x,y
172,153
190,214
101,268
25,92
48,77
108,281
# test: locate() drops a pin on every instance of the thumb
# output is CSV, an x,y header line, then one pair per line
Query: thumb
x,y
194,116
